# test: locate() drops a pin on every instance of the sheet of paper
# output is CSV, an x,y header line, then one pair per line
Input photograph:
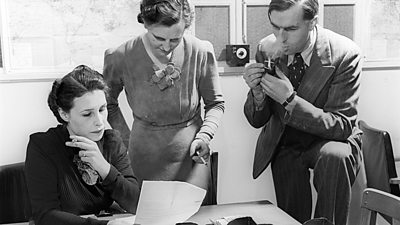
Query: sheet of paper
x,y
168,202
127,219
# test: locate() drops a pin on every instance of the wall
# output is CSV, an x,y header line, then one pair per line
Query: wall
x,y
379,103
24,111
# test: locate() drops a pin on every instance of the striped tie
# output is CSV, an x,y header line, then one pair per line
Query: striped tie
x,y
296,70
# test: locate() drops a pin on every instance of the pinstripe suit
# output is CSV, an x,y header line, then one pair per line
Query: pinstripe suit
x,y
325,116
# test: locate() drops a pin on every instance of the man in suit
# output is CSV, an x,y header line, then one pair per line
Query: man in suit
x,y
307,111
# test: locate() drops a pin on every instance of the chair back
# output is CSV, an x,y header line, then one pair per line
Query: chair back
x,y
14,199
377,201
211,196
378,159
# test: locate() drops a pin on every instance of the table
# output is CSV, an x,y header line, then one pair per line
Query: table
x,y
262,212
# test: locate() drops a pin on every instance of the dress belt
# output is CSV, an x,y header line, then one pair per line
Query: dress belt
x,y
156,126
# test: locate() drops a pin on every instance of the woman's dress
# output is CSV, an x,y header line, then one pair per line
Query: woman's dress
x,y
166,110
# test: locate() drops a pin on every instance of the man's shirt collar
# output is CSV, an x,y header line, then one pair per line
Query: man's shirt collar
x,y
306,53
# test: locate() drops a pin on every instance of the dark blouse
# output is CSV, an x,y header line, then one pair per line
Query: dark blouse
x,y
57,192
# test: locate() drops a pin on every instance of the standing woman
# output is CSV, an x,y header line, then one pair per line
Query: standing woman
x,y
78,167
165,74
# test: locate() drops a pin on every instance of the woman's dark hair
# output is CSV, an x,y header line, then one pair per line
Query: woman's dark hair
x,y
310,7
165,12
74,85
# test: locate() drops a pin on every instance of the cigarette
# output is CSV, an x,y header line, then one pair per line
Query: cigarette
x,y
202,159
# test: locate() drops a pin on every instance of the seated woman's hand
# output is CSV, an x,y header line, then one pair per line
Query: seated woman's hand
x,y
90,153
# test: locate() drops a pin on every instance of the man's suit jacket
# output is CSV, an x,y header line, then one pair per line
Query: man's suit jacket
x,y
329,93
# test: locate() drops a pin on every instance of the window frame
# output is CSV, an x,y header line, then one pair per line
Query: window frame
x,y
7,74
362,9
365,28
360,26
20,75
234,33
237,34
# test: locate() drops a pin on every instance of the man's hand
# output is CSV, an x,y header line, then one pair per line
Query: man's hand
x,y
278,88
252,75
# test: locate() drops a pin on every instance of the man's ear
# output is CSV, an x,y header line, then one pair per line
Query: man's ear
x,y
63,115
313,22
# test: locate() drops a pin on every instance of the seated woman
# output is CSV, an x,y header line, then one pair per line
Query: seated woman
x,y
78,167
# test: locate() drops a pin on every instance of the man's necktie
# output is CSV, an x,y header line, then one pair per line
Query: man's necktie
x,y
296,70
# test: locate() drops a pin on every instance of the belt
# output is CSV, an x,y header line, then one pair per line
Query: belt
x,y
156,126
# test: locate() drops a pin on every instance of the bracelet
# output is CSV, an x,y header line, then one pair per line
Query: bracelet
x,y
289,99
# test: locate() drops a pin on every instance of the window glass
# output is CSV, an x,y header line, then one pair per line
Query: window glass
x,y
340,18
384,38
52,34
258,26
59,34
212,24
1,56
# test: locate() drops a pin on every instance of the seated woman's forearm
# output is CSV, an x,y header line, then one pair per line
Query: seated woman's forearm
x,y
56,216
124,189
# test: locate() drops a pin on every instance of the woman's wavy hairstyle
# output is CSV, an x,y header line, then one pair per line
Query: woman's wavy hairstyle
x,y
75,84
165,12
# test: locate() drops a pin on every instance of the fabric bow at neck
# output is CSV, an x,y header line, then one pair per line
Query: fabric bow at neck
x,y
165,78
89,175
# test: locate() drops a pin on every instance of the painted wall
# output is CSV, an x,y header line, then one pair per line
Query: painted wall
x,y
23,110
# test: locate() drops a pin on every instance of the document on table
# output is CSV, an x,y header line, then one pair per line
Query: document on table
x,y
168,202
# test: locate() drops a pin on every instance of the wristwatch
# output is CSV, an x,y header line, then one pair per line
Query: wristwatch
x,y
289,99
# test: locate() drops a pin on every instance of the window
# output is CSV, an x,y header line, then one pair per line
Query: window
x,y
382,44
340,18
373,24
49,36
206,15
41,38
249,23
246,22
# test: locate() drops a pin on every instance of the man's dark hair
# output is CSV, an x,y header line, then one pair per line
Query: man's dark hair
x,y
310,7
